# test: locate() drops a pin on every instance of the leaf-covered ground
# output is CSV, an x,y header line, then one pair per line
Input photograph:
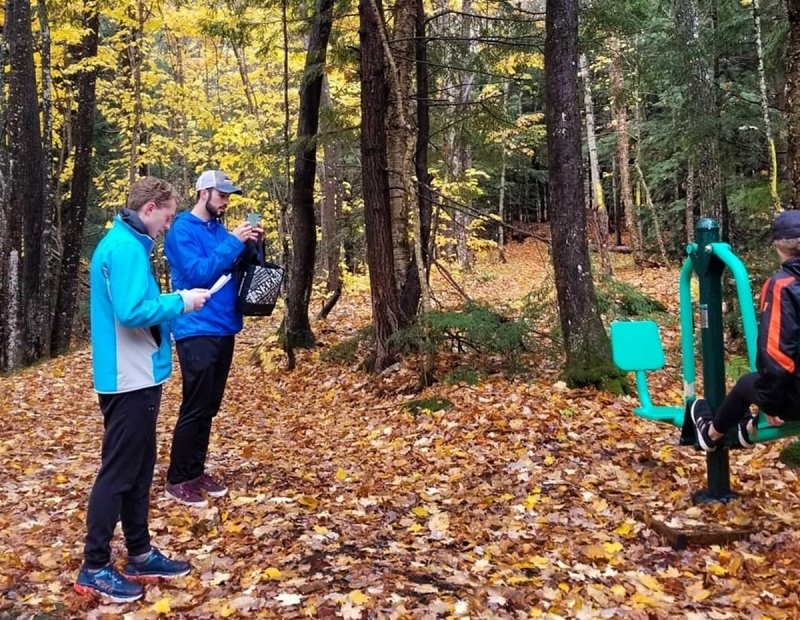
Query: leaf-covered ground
x,y
524,499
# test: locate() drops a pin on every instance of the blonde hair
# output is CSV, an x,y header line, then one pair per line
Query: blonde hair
x,y
790,247
150,189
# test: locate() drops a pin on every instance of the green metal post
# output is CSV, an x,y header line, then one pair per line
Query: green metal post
x,y
709,270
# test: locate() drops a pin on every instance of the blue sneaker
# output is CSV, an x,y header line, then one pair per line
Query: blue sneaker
x,y
108,583
157,565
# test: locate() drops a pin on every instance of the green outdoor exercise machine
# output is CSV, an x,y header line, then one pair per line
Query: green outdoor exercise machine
x,y
636,347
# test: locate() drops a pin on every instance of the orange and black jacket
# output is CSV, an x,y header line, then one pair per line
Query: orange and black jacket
x,y
778,384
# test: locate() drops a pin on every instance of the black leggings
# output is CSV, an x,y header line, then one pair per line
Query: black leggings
x,y
736,404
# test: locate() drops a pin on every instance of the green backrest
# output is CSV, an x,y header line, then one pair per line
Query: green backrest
x,y
636,345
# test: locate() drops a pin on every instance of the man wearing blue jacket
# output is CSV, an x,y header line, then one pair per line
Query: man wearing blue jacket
x,y
131,359
200,249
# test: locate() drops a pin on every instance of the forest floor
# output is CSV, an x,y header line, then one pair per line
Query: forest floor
x,y
523,499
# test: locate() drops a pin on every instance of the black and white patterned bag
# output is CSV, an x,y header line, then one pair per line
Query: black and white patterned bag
x,y
259,285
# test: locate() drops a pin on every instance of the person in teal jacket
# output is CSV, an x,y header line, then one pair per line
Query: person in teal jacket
x,y
200,249
131,359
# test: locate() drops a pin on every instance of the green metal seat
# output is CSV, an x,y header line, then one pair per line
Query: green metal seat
x,y
636,347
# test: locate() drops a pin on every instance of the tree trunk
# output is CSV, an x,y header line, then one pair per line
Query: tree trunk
x,y
135,62
399,133
424,177
330,209
27,298
73,216
762,82
599,213
793,100
463,153
386,313
304,232
623,150
648,201
283,215
689,215
588,352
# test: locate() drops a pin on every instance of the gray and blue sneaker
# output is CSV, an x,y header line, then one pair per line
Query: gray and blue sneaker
x,y
109,584
156,566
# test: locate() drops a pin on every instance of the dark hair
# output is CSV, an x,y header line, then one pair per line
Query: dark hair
x,y
150,189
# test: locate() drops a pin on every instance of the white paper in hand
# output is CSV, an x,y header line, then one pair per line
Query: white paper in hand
x,y
221,281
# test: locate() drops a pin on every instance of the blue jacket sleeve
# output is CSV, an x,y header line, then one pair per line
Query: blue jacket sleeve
x,y
131,287
195,264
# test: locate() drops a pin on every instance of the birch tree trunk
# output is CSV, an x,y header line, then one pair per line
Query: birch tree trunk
x,y
762,83
599,213
399,133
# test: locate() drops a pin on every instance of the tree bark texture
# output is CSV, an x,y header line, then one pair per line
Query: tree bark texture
x,y
588,352
400,134
386,313
28,307
762,87
304,232
623,149
599,212
793,100
331,207
73,211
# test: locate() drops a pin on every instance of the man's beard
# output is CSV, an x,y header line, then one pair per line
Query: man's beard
x,y
215,211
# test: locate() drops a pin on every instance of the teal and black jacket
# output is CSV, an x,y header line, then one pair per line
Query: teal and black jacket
x,y
130,318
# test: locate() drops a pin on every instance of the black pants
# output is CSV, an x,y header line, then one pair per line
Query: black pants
x,y
736,403
205,362
122,488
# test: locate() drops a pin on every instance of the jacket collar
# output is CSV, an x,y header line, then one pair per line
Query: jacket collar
x,y
131,220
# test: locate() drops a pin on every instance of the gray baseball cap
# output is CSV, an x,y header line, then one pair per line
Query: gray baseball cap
x,y
218,180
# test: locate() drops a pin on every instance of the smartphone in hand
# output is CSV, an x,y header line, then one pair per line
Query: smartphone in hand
x,y
254,219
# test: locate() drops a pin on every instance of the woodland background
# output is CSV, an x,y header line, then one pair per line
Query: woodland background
x,y
470,190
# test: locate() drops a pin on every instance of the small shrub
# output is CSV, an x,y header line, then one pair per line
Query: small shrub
x,y
417,407
620,299
346,351
476,328
463,374
790,454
